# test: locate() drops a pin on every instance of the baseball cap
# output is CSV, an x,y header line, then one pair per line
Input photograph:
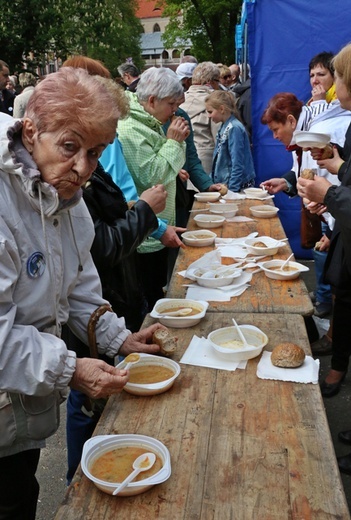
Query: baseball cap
x,y
185,70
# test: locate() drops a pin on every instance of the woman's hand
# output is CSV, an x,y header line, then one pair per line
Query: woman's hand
x,y
178,130
274,186
141,341
97,379
318,93
183,175
155,197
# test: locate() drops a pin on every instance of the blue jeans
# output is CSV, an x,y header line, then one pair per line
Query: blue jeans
x,y
323,291
79,428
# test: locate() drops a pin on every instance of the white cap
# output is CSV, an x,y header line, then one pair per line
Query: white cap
x,y
185,70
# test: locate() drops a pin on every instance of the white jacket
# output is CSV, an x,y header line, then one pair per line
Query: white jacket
x,y
47,278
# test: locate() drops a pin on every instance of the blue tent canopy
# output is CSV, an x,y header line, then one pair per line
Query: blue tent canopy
x,y
282,37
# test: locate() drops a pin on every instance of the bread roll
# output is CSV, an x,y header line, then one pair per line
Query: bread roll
x,y
287,355
307,173
165,341
224,190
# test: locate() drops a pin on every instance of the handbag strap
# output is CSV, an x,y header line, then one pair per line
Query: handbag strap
x,y
94,318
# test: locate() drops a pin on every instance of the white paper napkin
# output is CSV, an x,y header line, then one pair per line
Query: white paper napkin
x,y
307,373
200,353
196,292
232,195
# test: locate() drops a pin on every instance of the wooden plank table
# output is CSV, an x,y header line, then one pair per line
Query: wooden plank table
x,y
242,448
264,295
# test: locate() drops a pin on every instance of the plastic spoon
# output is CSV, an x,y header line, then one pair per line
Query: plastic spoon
x,y
142,463
131,359
242,337
281,268
180,312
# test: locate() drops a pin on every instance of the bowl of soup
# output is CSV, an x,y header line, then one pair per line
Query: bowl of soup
x,y
152,375
255,193
209,220
164,306
291,271
264,211
263,245
199,237
107,460
218,276
225,210
207,196
227,343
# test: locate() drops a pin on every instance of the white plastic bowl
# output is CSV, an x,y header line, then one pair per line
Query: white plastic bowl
x,y
100,444
207,196
209,221
271,247
311,139
154,388
264,211
253,335
179,322
282,275
226,210
199,238
218,277
257,193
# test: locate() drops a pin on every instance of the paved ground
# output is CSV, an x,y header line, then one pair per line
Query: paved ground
x,y
52,466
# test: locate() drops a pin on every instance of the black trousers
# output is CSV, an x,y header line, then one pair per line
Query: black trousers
x,y
19,489
341,329
153,270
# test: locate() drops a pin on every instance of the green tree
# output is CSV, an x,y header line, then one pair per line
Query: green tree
x,y
32,30
208,24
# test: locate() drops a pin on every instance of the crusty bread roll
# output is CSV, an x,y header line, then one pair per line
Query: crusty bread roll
x,y
287,355
224,190
317,246
307,173
165,341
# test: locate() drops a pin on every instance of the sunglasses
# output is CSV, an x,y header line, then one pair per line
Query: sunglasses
x,y
227,76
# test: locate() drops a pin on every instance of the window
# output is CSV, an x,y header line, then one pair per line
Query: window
x,y
157,28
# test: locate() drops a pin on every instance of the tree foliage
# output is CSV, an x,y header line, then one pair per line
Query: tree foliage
x,y
209,24
32,30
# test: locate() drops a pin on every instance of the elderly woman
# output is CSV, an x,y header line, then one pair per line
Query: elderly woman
x,y
338,266
47,274
154,157
205,79
27,80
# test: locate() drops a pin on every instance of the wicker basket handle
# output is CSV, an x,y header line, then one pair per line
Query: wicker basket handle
x,y
94,318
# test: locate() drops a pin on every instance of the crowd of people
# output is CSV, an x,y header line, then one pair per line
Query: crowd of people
x,y
90,219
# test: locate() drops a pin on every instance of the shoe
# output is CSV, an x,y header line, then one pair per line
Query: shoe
x,y
345,437
322,347
344,464
322,309
331,389
312,295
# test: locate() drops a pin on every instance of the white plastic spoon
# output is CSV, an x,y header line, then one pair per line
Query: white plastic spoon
x,y
142,463
242,337
131,359
281,268
180,312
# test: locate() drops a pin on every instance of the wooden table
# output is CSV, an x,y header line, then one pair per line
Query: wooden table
x,y
242,448
264,295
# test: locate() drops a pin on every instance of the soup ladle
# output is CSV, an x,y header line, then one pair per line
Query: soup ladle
x,y
142,463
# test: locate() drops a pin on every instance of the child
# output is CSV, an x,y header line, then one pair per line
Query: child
x,y
232,159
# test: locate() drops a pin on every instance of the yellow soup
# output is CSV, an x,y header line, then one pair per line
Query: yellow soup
x,y
175,308
116,465
148,374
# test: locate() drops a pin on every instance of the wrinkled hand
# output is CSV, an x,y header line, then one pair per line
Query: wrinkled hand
x,y
97,379
321,153
141,341
178,130
333,164
274,186
170,237
155,197
183,175
315,190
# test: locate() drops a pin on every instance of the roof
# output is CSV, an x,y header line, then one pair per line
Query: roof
x,y
149,9
151,43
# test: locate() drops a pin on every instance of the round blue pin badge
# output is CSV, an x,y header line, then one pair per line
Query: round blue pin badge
x,y
36,264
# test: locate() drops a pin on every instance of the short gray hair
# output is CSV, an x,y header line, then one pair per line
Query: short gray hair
x,y
160,82
27,79
205,72
128,68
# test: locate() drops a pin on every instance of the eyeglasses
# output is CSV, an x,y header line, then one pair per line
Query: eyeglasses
x,y
227,76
